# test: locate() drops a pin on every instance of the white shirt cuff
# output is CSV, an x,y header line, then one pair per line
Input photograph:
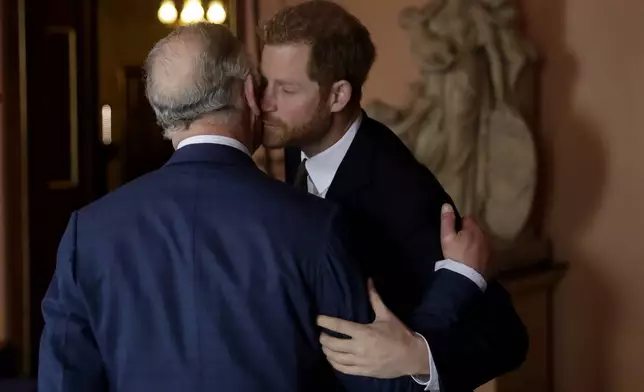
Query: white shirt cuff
x,y
464,270
431,383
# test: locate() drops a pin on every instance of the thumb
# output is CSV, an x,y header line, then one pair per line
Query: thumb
x,y
379,307
448,232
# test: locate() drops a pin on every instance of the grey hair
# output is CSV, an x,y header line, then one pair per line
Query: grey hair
x,y
196,71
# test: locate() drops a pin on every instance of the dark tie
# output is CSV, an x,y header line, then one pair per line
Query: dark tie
x,y
301,177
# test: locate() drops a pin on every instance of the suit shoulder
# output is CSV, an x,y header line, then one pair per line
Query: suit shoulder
x,y
294,202
126,191
304,221
395,163
119,204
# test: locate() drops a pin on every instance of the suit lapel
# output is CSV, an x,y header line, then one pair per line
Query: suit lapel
x,y
355,171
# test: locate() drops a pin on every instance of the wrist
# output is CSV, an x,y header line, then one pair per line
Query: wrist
x,y
418,357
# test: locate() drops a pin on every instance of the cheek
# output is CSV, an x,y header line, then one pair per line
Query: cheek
x,y
297,110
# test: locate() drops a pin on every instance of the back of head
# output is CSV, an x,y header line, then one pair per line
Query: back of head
x,y
341,46
196,72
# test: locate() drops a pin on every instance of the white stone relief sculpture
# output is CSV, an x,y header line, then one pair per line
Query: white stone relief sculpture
x,y
467,118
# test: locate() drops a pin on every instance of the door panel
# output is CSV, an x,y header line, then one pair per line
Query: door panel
x,y
64,168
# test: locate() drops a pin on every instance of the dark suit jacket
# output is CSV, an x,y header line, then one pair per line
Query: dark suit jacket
x,y
204,275
393,206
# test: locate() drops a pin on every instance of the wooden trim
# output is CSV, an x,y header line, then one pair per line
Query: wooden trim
x,y
15,183
71,181
24,189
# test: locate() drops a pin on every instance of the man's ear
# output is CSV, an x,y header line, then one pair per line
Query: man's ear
x,y
339,96
251,98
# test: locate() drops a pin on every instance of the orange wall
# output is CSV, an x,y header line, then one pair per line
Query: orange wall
x,y
395,68
593,133
592,136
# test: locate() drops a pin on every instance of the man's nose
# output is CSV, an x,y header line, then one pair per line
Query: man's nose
x,y
268,101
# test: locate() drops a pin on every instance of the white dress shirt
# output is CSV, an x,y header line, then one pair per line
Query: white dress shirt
x,y
321,169
323,166
214,139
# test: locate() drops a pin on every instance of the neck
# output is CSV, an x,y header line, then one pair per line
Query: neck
x,y
340,124
233,131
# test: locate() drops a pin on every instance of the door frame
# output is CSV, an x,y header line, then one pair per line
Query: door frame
x,y
15,188
21,345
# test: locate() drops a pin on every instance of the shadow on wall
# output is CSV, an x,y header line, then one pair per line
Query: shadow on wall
x,y
573,169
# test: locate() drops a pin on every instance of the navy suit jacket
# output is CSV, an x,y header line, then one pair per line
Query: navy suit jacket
x,y
393,205
204,275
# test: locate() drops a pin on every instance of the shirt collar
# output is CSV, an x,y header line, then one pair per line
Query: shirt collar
x,y
214,139
323,166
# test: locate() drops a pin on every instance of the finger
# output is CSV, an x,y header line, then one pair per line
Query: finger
x,y
379,307
472,230
343,326
338,345
352,370
448,218
341,358
470,224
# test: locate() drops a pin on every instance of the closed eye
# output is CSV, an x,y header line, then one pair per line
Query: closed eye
x,y
288,90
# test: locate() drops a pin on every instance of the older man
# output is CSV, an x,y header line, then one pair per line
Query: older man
x,y
204,275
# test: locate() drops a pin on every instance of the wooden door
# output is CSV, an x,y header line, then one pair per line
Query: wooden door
x,y
65,170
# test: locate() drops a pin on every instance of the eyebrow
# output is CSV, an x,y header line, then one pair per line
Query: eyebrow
x,y
281,82
287,84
